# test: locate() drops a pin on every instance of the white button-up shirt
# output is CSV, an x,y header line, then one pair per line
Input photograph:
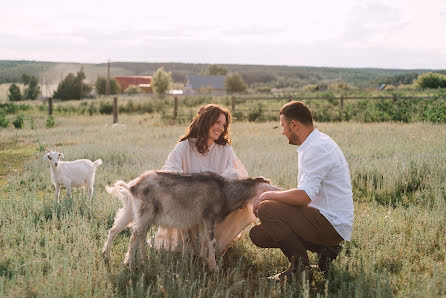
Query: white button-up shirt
x,y
324,176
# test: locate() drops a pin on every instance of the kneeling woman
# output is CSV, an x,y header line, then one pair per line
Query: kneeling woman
x,y
206,147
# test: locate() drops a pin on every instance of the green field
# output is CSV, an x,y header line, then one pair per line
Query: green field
x,y
53,249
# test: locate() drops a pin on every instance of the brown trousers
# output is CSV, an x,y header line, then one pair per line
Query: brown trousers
x,y
279,221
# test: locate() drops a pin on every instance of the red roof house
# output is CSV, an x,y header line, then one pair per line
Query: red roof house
x,y
143,82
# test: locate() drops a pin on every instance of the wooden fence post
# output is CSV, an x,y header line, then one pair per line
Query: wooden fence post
x,y
115,110
175,108
342,102
50,106
394,98
233,103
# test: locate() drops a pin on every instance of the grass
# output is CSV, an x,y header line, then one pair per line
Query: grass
x,y
398,246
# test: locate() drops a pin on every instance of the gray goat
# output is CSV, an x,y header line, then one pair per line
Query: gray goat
x,y
181,201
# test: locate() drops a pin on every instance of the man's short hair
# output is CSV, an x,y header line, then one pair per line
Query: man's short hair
x,y
297,110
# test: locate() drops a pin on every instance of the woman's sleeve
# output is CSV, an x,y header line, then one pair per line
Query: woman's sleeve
x,y
174,161
234,167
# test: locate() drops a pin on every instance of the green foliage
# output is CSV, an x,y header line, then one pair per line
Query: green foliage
x,y
71,86
50,122
234,83
32,89
19,121
216,70
161,81
11,108
3,121
430,80
14,93
132,89
105,108
397,80
101,86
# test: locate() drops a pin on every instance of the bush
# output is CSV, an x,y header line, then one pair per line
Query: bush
x,y
70,87
161,81
234,83
19,121
14,93
101,86
105,108
3,121
32,88
132,89
50,122
430,80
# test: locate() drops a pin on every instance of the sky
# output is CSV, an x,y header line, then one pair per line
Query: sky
x,y
403,34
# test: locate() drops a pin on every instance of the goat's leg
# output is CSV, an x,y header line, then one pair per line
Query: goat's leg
x,y
122,220
89,184
56,195
68,187
131,252
141,227
211,242
185,238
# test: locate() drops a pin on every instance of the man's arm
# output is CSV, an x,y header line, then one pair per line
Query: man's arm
x,y
293,197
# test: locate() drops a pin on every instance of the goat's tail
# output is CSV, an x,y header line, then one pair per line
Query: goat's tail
x,y
121,190
97,163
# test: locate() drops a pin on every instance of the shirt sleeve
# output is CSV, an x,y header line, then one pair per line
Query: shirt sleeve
x,y
174,161
315,166
234,167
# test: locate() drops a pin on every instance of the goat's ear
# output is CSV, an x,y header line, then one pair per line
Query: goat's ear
x,y
61,155
46,156
48,150
262,179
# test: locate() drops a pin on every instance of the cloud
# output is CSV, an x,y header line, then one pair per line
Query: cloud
x,y
373,21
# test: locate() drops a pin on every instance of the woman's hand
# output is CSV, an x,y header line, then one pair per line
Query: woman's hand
x,y
264,196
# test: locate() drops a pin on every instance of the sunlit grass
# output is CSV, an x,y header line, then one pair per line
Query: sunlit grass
x,y
398,246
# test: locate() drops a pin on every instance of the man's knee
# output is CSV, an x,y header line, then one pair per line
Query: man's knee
x,y
270,210
260,237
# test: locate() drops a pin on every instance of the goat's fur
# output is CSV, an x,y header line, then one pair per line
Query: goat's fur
x,y
179,201
70,174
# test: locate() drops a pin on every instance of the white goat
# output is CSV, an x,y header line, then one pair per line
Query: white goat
x,y
71,173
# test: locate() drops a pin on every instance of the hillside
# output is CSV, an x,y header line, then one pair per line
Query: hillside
x,y
255,75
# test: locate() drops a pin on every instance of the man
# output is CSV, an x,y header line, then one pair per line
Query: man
x,y
318,214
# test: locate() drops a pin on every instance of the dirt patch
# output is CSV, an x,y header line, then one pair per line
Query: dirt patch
x,y
13,153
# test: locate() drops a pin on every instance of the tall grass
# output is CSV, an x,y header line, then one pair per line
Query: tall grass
x,y
398,246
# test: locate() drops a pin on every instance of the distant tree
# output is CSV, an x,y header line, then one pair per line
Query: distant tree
x,y
216,70
14,93
234,83
101,84
401,79
161,81
32,89
70,87
430,80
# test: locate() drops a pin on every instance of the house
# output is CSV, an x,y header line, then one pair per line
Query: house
x,y
143,82
195,84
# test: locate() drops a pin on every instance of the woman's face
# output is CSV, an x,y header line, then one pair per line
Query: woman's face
x,y
218,128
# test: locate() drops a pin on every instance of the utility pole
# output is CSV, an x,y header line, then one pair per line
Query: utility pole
x,y
82,81
107,84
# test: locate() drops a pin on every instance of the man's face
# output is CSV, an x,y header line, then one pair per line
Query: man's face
x,y
287,130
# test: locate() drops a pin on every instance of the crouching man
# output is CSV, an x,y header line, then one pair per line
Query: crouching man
x,y
318,214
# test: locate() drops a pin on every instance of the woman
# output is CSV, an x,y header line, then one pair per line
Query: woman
x,y
206,147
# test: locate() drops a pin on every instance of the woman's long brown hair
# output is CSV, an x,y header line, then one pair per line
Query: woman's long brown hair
x,y
199,128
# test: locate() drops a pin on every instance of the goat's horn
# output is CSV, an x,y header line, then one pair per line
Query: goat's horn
x,y
48,150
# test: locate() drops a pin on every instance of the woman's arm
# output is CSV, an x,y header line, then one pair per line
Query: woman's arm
x,y
174,161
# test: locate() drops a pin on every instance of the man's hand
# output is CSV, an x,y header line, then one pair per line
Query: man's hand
x,y
264,196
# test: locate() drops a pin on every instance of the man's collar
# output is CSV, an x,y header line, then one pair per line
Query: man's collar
x,y
308,140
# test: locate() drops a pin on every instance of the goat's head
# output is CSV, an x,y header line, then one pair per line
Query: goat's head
x,y
53,157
